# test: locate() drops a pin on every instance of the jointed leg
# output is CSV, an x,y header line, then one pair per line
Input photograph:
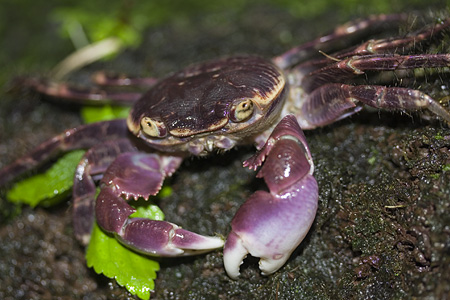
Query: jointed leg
x,y
355,66
340,38
91,167
396,45
395,98
399,45
79,95
108,79
335,101
81,137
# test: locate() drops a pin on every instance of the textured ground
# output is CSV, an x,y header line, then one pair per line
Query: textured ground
x,y
382,230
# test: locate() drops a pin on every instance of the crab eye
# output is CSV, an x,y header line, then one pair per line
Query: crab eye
x,y
241,110
153,128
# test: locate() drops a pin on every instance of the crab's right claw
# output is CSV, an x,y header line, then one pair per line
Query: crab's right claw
x,y
271,225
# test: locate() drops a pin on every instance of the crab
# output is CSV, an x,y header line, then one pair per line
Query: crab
x,y
213,106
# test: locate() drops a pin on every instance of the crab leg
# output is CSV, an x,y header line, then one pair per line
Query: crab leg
x,y
335,101
103,78
82,137
93,164
354,66
380,46
344,34
134,175
79,95
270,225
397,44
396,98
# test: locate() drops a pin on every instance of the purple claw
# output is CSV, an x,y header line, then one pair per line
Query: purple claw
x,y
270,225
162,238
135,175
151,237
142,180
143,174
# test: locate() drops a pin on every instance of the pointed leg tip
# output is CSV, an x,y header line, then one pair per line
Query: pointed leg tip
x,y
208,243
161,238
195,243
213,242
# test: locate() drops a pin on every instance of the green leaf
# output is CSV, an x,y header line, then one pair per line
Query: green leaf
x,y
50,187
151,212
84,23
91,114
165,191
130,269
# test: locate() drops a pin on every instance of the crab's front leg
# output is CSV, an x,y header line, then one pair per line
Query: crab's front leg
x,y
270,225
135,175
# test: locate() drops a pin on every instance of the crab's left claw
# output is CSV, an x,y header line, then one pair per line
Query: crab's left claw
x,y
140,175
270,225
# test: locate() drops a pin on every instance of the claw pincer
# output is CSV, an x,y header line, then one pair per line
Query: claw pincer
x,y
270,225
144,174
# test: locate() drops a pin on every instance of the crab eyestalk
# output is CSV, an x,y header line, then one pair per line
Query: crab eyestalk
x,y
270,225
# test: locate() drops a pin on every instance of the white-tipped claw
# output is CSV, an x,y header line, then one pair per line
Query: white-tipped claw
x,y
192,243
234,254
269,266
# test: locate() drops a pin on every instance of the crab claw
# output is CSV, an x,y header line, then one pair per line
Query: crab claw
x,y
270,225
162,238
151,237
134,175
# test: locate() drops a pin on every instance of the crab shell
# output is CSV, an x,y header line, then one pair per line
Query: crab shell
x,y
194,109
